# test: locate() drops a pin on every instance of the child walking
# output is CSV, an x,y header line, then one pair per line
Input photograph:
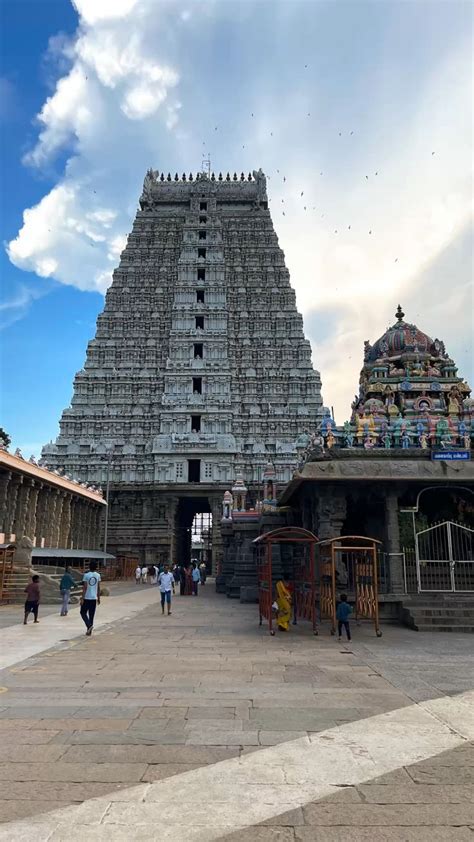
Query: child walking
x,y
32,591
343,612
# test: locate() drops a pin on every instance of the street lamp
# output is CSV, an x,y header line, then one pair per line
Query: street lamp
x,y
108,459
107,488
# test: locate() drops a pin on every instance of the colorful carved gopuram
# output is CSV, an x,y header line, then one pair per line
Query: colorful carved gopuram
x,y
410,395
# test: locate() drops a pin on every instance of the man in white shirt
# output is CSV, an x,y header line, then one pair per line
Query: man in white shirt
x,y
90,596
138,575
144,574
166,582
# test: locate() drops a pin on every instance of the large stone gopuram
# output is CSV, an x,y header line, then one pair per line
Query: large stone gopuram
x,y
199,369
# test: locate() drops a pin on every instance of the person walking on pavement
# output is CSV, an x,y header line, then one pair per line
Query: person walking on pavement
x,y
90,596
166,583
138,575
196,578
65,585
32,591
144,574
203,572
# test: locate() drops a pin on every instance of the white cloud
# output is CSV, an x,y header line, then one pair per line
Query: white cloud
x,y
93,11
115,111
15,308
105,111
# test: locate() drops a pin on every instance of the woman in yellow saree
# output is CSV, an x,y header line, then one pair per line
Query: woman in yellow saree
x,y
284,606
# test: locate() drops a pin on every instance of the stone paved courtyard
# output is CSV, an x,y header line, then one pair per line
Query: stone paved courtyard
x,y
200,726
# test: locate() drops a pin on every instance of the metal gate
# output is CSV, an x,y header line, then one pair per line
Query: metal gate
x,y
445,558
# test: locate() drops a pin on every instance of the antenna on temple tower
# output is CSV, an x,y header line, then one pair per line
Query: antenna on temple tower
x,y
206,165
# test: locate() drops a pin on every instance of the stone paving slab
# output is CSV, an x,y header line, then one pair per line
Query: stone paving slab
x,y
105,720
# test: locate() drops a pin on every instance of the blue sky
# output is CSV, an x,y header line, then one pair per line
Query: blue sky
x,y
343,101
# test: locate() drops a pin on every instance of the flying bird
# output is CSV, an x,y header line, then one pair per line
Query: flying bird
x,y
396,260
302,192
351,132
433,153
348,227
304,208
376,173
340,134
367,177
284,178
370,231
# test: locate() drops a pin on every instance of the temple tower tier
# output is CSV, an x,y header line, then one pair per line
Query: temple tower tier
x,y
199,369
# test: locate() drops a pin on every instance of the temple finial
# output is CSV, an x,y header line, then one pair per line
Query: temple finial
x,y
400,314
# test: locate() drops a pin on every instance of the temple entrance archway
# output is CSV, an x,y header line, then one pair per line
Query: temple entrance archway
x,y
187,524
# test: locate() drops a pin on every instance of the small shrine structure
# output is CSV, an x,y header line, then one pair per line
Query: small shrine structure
x,y
410,395
410,432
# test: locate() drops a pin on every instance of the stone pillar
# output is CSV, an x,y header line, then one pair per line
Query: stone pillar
x,y
30,527
74,531
87,525
13,490
50,526
392,542
331,513
5,478
21,510
58,515
81,524
65,524
217,543
172,511
41,514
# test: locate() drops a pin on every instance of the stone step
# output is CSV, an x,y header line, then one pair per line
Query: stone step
x,y
443,612
449,628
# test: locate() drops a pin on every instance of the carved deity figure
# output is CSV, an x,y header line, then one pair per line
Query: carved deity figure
x,y
467,441
405,440
387,440
397,431
388,396
454,401
317,441
330,440
348,434
423,439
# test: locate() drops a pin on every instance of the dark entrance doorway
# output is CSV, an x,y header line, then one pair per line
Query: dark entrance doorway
x,y
188,508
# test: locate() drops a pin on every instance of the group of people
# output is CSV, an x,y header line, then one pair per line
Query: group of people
x,y
282,609
90,597
189,576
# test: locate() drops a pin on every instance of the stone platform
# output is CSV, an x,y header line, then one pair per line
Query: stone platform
x,y
200,726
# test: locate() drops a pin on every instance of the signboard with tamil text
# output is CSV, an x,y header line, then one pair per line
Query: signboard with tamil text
x,y
450,455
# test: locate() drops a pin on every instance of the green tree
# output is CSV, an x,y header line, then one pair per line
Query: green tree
x,y
4,437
